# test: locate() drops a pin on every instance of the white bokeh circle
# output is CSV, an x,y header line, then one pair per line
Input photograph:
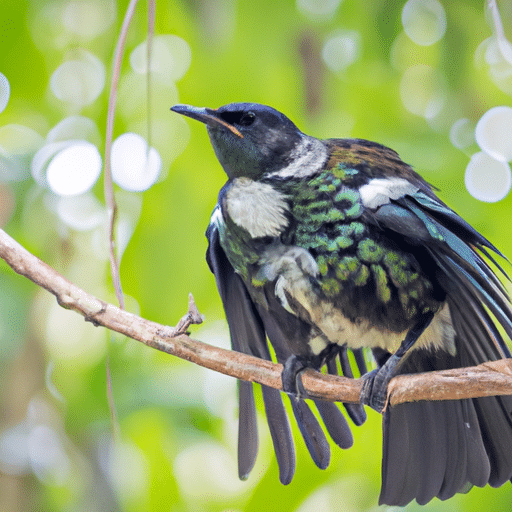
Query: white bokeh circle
x,y
487,179
74,170
88,18
342,48
79,81
462,133
424,21
170,57
75,127
82,213
494,133
134,167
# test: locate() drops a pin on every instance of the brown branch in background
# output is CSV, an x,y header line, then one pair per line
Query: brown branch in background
x,y
488,379
108,186
149,46
313,71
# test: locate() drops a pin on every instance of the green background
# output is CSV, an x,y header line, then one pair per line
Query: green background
x,y
176,449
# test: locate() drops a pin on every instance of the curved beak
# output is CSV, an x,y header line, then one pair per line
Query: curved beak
x,y
207,116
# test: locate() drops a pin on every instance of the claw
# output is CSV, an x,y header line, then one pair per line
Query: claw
x,y
374,391
291,377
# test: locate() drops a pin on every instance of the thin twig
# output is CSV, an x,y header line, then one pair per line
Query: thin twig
x,y
107,183
488,379
192,317
110,199
149,46
499,31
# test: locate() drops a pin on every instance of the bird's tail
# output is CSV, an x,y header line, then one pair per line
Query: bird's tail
x,y
440,448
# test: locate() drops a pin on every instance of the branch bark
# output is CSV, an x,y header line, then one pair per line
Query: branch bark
x,y
488,379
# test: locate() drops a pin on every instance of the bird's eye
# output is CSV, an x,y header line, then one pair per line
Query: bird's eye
x,y
239,117
247,119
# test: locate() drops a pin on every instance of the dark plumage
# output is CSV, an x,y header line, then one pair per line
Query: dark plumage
x,y
325,246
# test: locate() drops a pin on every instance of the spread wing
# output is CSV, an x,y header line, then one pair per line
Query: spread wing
x,y
441,448
249,325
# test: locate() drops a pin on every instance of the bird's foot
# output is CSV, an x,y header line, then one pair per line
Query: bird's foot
x,y
375,400
375,384
291,376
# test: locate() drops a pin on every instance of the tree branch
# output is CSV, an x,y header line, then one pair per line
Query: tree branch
x,y
488,379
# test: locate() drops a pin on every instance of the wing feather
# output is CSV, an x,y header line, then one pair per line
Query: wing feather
x,y
460,443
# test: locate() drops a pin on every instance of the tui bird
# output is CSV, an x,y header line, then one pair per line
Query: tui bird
x,y
329,245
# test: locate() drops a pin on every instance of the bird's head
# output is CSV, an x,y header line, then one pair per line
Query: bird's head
x,y
249,139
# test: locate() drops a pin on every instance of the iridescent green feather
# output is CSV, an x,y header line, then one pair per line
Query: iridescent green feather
x,y
326,212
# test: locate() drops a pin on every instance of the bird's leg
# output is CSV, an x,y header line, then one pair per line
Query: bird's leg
x,y
296,364
375,384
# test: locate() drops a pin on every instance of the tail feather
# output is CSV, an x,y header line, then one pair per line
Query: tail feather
x,y
280,432
356,412
495,417
434,449
312,433
442,448
247,429
248,336
335,423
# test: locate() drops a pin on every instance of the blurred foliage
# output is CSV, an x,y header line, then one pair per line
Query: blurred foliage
x,y
177,444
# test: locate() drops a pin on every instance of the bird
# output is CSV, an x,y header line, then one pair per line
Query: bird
x,y
326,246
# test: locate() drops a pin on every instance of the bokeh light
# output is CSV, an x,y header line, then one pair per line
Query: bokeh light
x,y
133,96
318,9
59,24
495,55
341,49
207,469
75,127
38,445
80,80
487,179
88,18
82,213
75,169
42,158
5,92
134,166
18,144
424,21
170,57
494,133
69,338
462,133
423,91
14,456
48,459
132,484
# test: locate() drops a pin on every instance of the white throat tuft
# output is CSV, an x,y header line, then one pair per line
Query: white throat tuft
x,y
257,207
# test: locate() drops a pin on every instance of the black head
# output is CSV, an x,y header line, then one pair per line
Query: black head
x,y
249,139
